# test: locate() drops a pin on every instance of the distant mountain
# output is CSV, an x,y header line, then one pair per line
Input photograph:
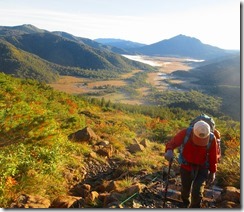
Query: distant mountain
x,y
71,52
182,46
119,43
68,54
19,30
91,43
22,64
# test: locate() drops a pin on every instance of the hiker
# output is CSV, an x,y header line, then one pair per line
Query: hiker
x,y
198,161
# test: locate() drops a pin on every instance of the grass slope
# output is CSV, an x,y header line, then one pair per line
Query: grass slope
x,y
37,157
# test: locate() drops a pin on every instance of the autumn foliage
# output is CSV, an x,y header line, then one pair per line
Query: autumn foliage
x,y
36,121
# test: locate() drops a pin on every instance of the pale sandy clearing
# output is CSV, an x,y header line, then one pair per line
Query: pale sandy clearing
x,y
117,83
77,85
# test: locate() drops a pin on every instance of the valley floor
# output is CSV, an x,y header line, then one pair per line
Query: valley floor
x,y
161,80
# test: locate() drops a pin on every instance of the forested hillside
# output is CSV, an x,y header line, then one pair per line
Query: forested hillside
x,y
19,63
38,158
223,72
25,65
220,79
29,52
68,52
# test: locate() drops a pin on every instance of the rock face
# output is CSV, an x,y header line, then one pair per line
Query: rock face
x,y
64,201
229,198
31,201
139,146
106,151
133,148
84,135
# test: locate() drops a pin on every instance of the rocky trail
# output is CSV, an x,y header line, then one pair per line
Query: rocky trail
x,y
153,194
147,191
107,185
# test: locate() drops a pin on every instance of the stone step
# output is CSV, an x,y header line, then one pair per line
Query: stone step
x,y
210,194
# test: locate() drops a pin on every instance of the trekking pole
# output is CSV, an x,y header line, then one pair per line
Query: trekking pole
x,y
167,182
212,205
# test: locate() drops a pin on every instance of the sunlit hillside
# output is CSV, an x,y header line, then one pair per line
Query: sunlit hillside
x,y
37,157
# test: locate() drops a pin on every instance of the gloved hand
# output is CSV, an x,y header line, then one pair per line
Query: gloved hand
x,y
211,178
169,155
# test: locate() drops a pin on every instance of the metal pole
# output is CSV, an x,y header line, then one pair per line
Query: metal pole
x,y
167,182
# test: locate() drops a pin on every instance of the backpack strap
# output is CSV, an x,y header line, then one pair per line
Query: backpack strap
x,y
181,159
208,147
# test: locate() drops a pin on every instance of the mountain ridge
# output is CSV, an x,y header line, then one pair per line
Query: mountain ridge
x,y
69,52
119,43
182,46
91,43
177,46
20,29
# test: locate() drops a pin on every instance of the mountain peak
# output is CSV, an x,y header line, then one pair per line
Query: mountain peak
x,y
182,46
28,28
181,36
119,43
184,37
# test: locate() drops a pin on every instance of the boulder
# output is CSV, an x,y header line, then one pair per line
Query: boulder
x,y
106,151
229,204
136,188
92,196
113,200
84,135
31,201
133,148
113,186
81,190
103,143
64,201
93,155
145,143
231,194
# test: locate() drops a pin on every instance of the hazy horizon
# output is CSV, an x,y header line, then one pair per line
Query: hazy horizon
x,y
216,23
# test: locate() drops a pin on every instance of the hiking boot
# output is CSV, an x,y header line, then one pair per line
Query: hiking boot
x,y
185,204
195,205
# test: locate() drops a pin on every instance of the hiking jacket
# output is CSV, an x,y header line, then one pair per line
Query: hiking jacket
x,y
193,154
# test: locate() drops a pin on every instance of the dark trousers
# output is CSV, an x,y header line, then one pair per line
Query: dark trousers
x,y
193,183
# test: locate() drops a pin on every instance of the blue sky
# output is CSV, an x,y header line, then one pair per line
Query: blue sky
x,y
214,22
